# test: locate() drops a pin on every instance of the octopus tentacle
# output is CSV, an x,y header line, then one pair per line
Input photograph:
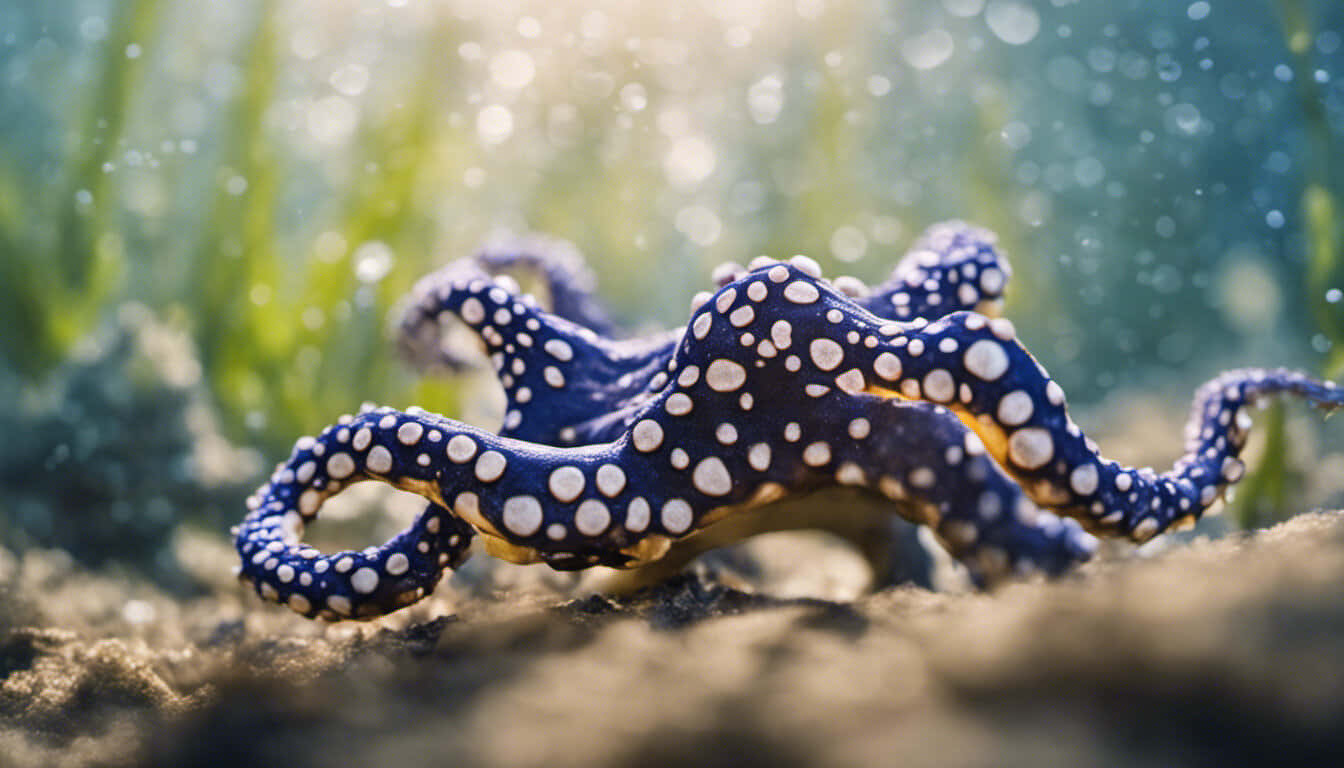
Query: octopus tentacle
x,y
924,459
976,368
569,283
349,583
557,376
622,503
953,266
565,277
571,508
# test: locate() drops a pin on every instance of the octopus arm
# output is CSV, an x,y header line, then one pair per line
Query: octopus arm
x,y
977,368
953,266
557,265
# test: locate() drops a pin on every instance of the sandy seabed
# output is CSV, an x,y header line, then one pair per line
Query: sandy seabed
x,y
1224,652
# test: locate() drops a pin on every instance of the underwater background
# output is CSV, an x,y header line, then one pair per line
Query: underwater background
x,y
210,210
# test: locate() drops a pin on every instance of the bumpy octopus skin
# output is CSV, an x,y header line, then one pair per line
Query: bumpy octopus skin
x,y
568,282
780,384
952,266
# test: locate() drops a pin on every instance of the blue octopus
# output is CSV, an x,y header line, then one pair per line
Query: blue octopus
x,y
782,383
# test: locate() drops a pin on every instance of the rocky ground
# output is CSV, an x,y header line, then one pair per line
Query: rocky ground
x,y
131,644
1209,653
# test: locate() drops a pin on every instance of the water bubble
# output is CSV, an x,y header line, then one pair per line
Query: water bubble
x,y
1100,95
765,99
1232,86
593,25
928,50
634,97
373,260
529,27
848,243
1101,59
699,224
350,80
673,122
512,69
809,9
1089,172
1168,69
594,86
305,44
1034,209
330,246
1198,11
1016,135
1013,22
1065,73
1283,73
1184,119
1333,296
138,612
1166,278
313,318
332,120
689,161
1274,219
494,123
1248,293
1328,41
878,85
93,28
1134,66
886,229
964,8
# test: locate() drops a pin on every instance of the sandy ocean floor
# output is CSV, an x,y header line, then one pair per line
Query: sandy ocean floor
x,y
1219,652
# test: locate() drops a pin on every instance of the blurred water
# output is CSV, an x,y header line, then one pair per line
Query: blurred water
x,y
267,177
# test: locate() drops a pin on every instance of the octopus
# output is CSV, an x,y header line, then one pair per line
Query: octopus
x,y
782,383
